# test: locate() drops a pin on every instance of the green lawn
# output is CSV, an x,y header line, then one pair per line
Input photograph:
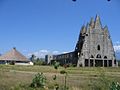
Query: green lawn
x,y
19,77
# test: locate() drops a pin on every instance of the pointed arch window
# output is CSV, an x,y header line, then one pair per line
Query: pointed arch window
x,y
98,56
98,47
105,57
92,56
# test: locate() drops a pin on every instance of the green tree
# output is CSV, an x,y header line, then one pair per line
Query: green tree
x,y
39,61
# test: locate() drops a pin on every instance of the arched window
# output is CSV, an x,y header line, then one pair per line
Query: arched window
x,y
98,56
98,47
105,57
92,56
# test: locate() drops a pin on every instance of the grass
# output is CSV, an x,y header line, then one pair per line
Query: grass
x,y
19,77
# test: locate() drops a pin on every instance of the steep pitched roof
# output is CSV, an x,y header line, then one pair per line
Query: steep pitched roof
x,y
92,23
13,55
97,22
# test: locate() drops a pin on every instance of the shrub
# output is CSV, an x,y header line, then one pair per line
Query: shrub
x,y
56,65
39,62
63,72
115,86
38,81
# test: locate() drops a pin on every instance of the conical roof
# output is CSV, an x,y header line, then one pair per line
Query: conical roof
x,y
13,55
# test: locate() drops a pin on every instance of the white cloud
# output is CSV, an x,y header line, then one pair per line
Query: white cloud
x,y
117,46
42,53
55,52
64,52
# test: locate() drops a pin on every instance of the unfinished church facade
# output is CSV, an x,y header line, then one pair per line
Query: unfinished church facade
x,y
94,48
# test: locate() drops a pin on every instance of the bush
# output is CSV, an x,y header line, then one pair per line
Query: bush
x,y
56,65
115,86
63,72
38,81
38,62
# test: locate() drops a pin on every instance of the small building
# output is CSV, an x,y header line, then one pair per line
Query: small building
x,y
14,57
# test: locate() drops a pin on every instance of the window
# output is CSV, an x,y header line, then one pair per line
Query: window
x,y
81,53
105,57
98,56
98,47
86,34
92,56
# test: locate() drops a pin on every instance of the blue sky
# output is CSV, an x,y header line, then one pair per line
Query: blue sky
x,y
53,25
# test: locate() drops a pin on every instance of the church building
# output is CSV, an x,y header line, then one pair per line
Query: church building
x,y
94,48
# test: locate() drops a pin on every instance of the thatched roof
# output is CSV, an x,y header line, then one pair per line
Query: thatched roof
x,y
13,55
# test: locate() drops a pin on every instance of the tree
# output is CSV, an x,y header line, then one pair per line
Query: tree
x,y
39,61
32,58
